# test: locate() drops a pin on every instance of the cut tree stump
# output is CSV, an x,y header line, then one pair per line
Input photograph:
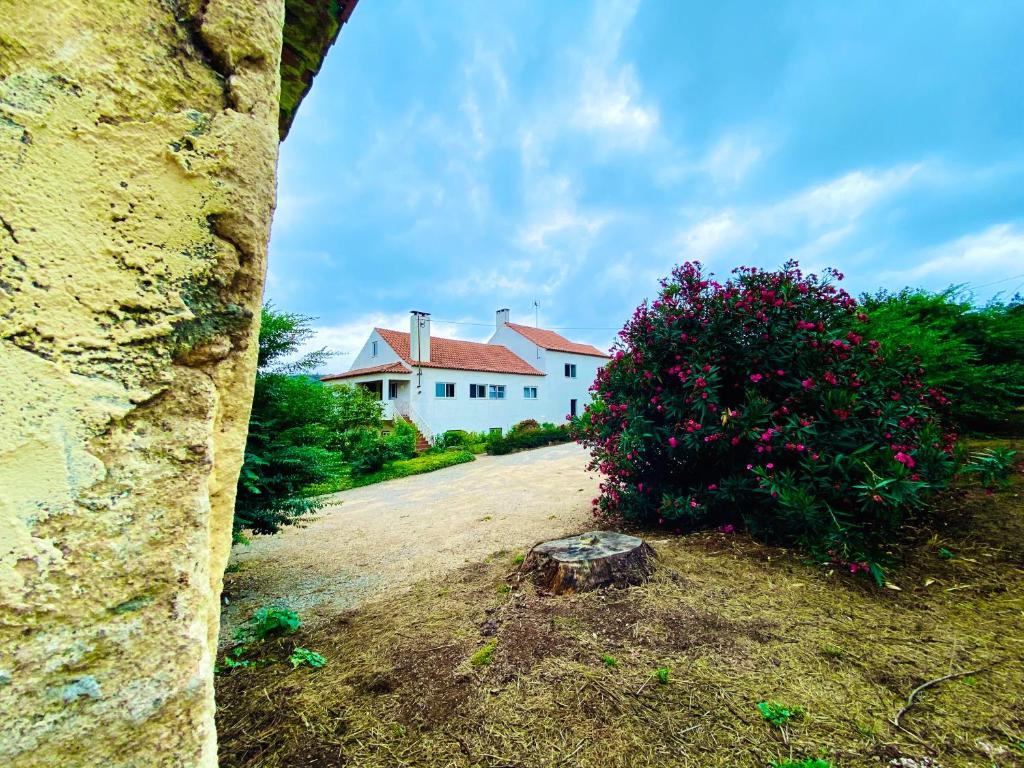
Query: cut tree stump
x,y
588,561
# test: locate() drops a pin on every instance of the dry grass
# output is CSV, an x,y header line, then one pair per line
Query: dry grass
x,y
736,623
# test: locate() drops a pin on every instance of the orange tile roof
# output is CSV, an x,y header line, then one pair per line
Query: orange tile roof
x,y
386,368
461,355
553,341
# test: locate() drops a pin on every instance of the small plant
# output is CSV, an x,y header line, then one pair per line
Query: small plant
x,y
946,554
609,660
778,714
868,730
483,656
830,651
504,589
810,762
305,657
992,466
518,559
269,621
661,675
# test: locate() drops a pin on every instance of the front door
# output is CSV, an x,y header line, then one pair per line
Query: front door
x,y
572,408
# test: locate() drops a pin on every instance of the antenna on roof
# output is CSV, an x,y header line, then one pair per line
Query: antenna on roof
x,y
536,315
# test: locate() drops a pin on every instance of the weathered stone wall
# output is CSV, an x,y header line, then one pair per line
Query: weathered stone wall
x,y
138,143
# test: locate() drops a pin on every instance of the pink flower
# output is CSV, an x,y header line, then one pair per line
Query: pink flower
x,y
769,465
693,503
750,466
727,528
756,377
807,383
673,442
905,459
712,487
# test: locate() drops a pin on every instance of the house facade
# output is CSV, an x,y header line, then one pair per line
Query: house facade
x,y
442,384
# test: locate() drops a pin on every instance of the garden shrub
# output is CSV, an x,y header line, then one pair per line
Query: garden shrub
x,y
526,425
531,438
402,440
973,354
451,439
752,401
369,452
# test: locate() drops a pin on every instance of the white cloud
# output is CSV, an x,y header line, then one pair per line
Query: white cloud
x,y
610,106
979,257
731,159
820,216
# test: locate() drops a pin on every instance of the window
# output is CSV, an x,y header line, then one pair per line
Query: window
x,y
496,392
572,408
530,393
373,349
477,391
444,389
392,390
570,370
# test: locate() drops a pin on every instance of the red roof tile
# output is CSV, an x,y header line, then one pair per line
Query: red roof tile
x,y
386,368
553,341
461,355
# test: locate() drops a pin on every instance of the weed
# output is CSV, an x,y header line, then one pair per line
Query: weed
x,y
778,714
609,660
304,656
483,657
867,730
946,554
485,518
233,568
969,680
269,621
661,675
810,762
830,651
504,589
518,559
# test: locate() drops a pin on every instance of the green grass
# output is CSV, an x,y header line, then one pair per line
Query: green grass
x,y
427,462
483,656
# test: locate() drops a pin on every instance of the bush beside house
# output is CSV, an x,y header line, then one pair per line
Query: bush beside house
x,y
760,401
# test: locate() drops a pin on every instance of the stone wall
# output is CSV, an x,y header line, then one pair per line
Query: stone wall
x,y
138,144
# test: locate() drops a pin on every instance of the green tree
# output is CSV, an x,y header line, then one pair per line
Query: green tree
x,y
973,354
297,427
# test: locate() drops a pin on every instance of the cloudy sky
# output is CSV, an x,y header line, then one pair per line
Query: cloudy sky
x,y
458,157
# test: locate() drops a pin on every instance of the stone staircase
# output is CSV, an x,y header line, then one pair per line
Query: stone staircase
x,y
421,442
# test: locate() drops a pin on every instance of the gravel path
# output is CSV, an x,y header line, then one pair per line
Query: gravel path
x,y
386,536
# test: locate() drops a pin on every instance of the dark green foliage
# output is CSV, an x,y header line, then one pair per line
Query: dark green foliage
x,y
269,621
531,438
810,762
370,450
975,355
297,430
402,440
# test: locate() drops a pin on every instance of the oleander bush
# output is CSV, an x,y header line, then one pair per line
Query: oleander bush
x,y
757,401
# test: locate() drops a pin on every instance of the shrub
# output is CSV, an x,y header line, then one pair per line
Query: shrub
x,y
305,657
451,439
402,440
751,401
532,438
526,425
297,428
369,452
973,354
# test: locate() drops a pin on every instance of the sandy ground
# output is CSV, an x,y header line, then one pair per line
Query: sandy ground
x,y
383,537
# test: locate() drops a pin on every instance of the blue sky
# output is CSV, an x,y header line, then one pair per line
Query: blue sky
x,y
465,156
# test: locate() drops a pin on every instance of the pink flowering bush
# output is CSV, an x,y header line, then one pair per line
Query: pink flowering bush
x,y
759,402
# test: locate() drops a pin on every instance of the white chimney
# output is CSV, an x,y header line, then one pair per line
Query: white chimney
x,y
500,318
419,336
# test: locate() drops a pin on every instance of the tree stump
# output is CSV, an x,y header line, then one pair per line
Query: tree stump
x,y
588,561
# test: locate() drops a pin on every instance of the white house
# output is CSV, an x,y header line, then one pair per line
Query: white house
x,y
441,384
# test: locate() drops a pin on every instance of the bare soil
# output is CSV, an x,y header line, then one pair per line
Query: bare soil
x,y
379,538
571,679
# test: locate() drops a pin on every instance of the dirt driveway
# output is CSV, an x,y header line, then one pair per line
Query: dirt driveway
x,y
393,534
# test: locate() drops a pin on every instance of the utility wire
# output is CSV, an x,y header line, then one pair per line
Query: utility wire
x,y
550,328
